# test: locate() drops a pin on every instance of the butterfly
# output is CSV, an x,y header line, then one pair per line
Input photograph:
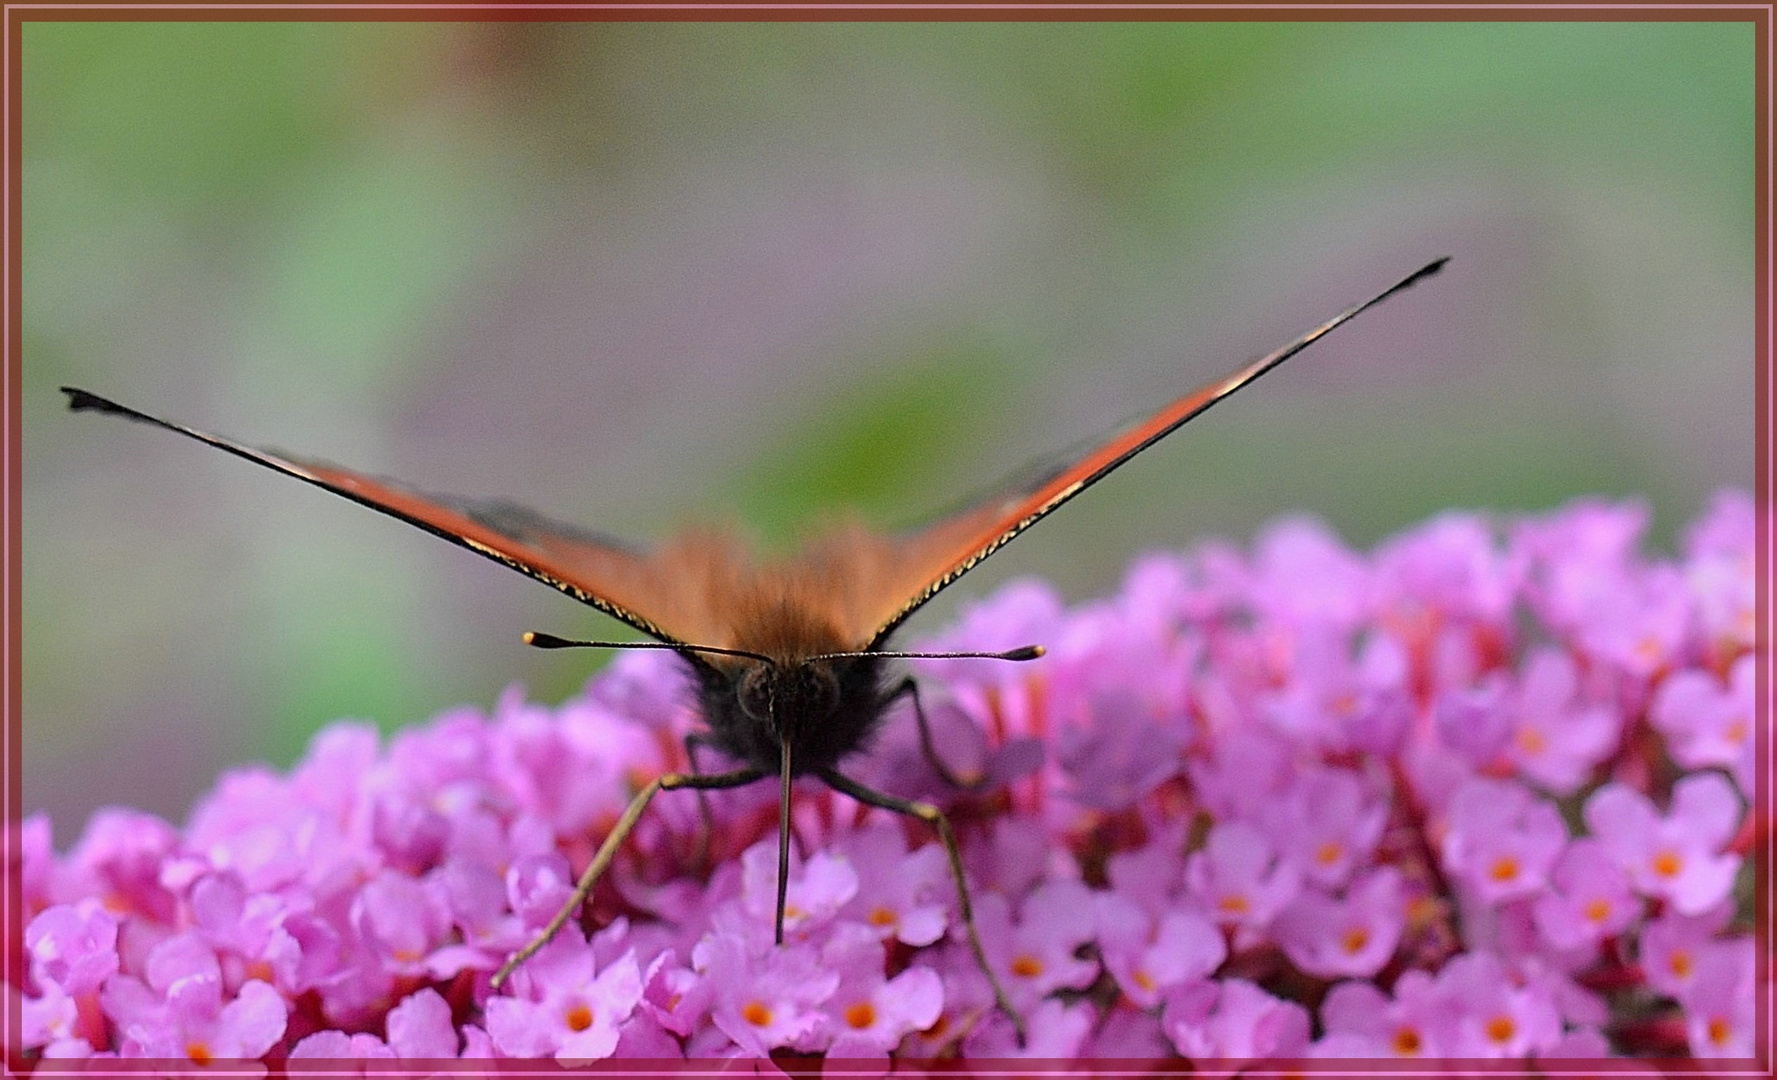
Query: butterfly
x,y
789,658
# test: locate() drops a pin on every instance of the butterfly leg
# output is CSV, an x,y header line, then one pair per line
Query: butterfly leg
x,y
608,851
701,857
910,688
935,817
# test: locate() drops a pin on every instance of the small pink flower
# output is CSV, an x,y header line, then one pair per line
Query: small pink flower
x,y
1590,899
1475,722
1351,936
1642,624
1338,701
1037,954
1721,1002
1677,857
120,860
1494,1015
420,1027
559,1006
900,894
1502,840
768,997
868,1013
73,947
50,1023
1120,752
1327,824
1226,1024
1147,954
401,920
1708,724
1362,1021
179,1011
1558,739
1449,568
1720,570
247,931
1238,877
818,888
1672,948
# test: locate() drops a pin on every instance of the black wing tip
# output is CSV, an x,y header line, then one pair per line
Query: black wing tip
x,y
82,400
1428,270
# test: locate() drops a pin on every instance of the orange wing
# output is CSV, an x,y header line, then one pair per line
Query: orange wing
x,y
850,588
592,568
927,561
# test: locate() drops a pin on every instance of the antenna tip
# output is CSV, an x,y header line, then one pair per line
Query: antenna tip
x,y
545,641
1029,652
530,637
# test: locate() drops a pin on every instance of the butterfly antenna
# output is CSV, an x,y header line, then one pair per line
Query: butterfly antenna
x,y
539,640
783,834
1027,652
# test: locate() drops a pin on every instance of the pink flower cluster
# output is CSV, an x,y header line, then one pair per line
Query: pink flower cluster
x,y
1481,793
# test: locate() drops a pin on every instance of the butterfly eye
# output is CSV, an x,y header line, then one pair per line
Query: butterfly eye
x,y
755,690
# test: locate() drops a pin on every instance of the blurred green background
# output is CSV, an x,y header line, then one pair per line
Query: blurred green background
x,y
636,274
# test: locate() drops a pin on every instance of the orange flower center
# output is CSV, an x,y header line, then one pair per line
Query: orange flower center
x,y
1504,868
861,1015
756,1014
882,917
1144,980
1328,853
1406,1042
1027,966
579,1017
1668,863
1598,910
1719,1030
1531,741
1501,1029
1355,939
1680,963
198,1052
1234,904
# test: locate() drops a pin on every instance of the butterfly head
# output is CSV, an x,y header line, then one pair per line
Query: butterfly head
x,y
784,696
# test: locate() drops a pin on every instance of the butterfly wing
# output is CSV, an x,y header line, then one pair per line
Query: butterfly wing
x,y
595,569
916,567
